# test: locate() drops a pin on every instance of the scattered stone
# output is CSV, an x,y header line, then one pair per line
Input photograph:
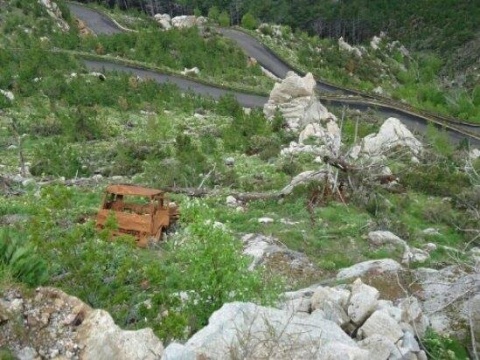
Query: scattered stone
x,y
265,220
379,238
189,72
430,232
343,45
429,247
230,161
414,255
231,201
8,94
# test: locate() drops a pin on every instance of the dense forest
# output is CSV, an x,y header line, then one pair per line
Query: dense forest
x,y
433,21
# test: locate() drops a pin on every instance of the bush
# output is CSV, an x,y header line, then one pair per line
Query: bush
x,y
21,260
249,22
213,13
224,19
56,157
443,347
218,273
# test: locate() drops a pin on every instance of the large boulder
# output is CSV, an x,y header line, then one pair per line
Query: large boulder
x,y
392,134
102,339
245,330
164,20
295,99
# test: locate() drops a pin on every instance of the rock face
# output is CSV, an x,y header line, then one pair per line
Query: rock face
x,y
65,327
54,11
391,134
446,297
295,99
368,267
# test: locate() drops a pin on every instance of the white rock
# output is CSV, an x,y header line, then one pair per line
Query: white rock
x,y
324,294
176,351
379,346
429,247
8,94
343,45
184,21
102,339
430,231
474,154
409,342
245,330
392,133
380,237
231,201
362,302
381,323
393,311
192,71
375,42
265,220
414,255
370,266
336,351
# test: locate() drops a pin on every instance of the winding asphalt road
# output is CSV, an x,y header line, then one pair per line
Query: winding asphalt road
x,y
101,24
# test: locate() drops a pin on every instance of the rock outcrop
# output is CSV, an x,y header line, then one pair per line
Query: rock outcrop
x,y
179,22
295,99
54,11
342,322
52,324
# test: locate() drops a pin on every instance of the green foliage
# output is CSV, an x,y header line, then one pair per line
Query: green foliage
x,y
249,22
443,347
21,259
224,19
218,273
214,13
57,157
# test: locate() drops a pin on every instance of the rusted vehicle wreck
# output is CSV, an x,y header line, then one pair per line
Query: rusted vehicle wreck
x,y
141,212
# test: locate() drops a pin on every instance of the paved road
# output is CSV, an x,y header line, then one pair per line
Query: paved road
x,y
246,100
100,24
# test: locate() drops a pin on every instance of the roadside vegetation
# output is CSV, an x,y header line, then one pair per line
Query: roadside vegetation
x,y
67,124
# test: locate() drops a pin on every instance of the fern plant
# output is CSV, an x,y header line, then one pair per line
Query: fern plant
x,y
21,259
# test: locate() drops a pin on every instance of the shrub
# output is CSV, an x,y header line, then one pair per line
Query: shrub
x,y
56,157
443,347
218,273
21,259
248,21
213,13
224,19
